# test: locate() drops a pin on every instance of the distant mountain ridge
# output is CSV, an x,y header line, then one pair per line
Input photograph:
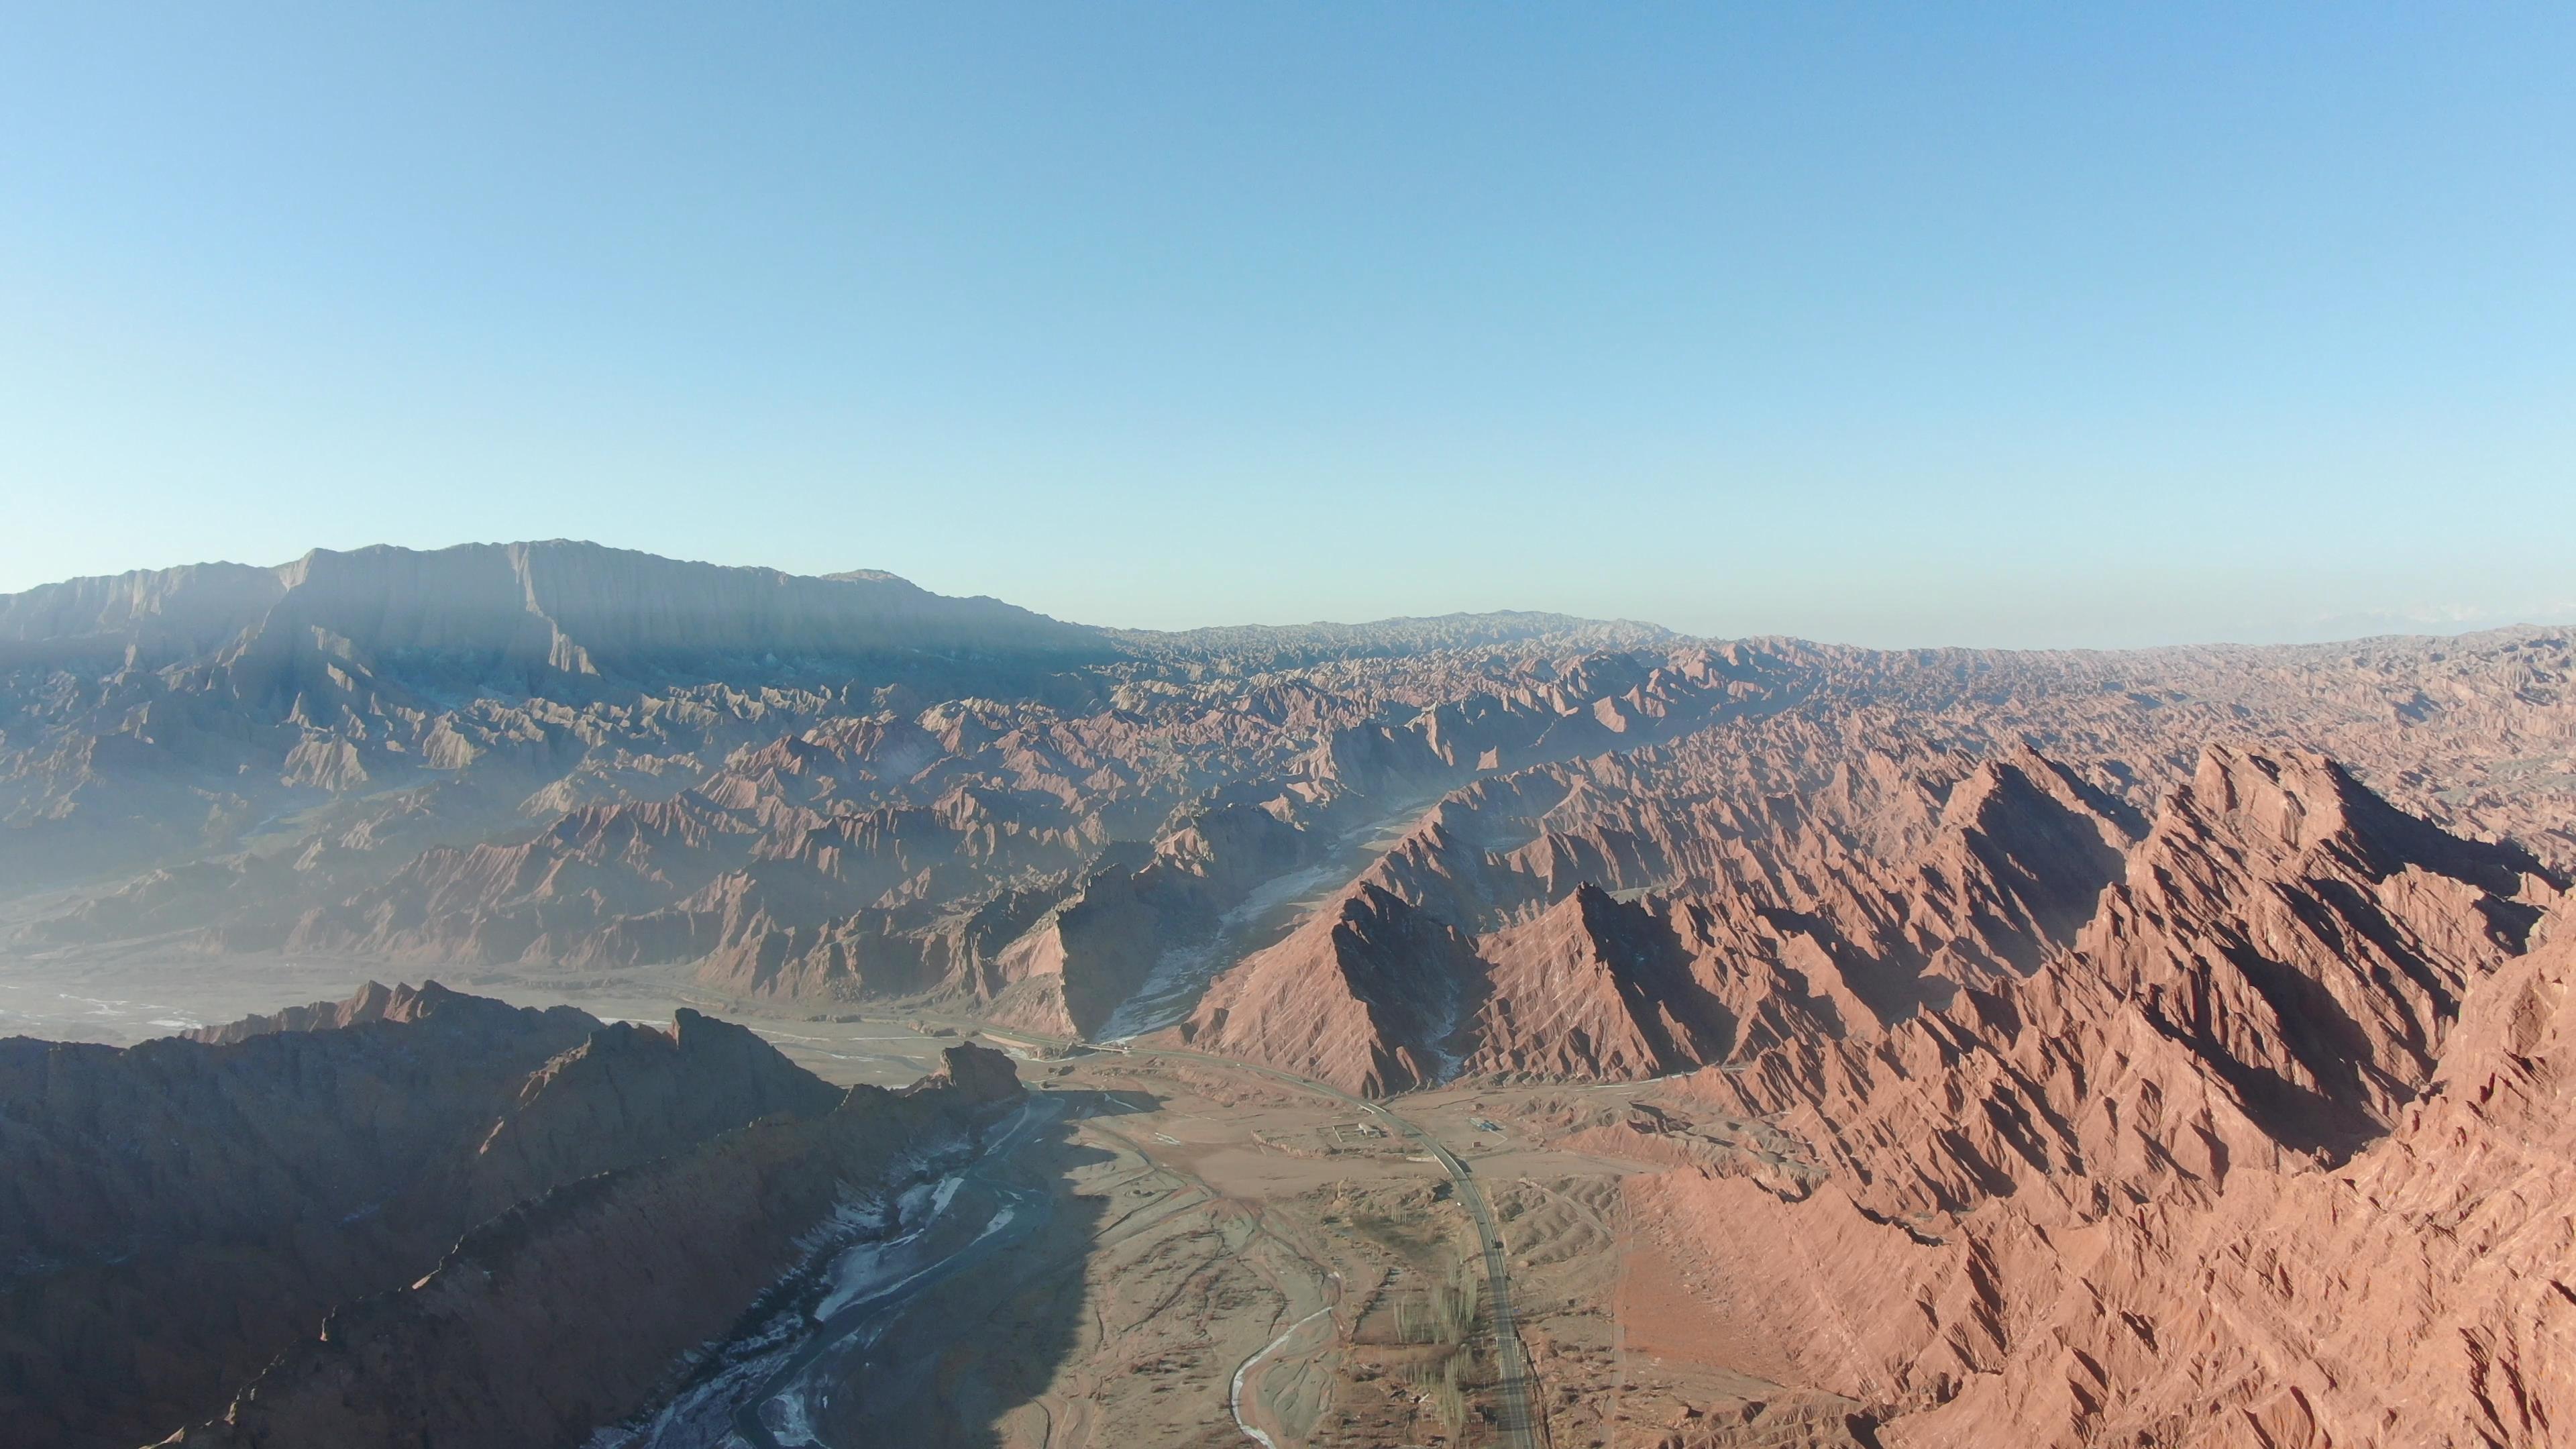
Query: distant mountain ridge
x,y
1288,646
555,753
563,606
578,608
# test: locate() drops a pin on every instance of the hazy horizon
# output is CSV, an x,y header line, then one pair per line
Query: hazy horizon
x,y
2356,628
1888,327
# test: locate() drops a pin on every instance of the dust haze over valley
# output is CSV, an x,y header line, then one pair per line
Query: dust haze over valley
x,y
548,994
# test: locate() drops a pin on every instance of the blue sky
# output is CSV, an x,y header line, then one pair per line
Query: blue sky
x,y
1896,325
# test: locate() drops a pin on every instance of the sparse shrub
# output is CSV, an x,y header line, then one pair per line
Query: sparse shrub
x,y
1439,1387
1454,1303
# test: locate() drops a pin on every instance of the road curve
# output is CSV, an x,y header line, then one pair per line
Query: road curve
x,y
1518,1423
1234,1395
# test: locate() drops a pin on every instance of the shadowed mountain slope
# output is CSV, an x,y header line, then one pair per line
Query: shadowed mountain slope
x,y
178,1213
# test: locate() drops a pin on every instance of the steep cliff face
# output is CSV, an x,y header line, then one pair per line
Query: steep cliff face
x,y
1593,989
1368,995
178,1213
1892,884
160,614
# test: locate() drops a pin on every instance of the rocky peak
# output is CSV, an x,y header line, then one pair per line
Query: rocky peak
x,y
2289,802
706,1073
978,1073
2309,940
2289,798
375,1001
1593,988
1367,994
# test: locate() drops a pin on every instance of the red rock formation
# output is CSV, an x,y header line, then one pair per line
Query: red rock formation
x,y
1366,995
2188,1182
1593,989
2076,1019
326,758
2243,1128
1895,883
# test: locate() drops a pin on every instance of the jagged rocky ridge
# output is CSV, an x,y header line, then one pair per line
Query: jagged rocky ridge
x,y
2165,1044
181,1213
2234,1121
845,789
1754,872
2268,1149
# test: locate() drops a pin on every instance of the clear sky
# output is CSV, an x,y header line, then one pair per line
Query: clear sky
x,y
1899,324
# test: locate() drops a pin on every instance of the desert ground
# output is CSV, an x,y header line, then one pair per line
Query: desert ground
x,y
1235,1259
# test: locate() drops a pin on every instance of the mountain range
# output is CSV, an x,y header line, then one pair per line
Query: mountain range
x,y
2150,1047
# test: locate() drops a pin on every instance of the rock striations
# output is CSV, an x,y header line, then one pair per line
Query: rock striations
x,y
2202,1177
2239,1122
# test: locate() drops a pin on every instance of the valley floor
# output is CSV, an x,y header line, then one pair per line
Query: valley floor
x,y
1233,1260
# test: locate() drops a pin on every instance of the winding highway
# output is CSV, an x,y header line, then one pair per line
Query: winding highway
x,y
855,1326
1518,1424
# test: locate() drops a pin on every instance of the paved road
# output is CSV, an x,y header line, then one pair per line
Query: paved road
x,y
1518,1422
